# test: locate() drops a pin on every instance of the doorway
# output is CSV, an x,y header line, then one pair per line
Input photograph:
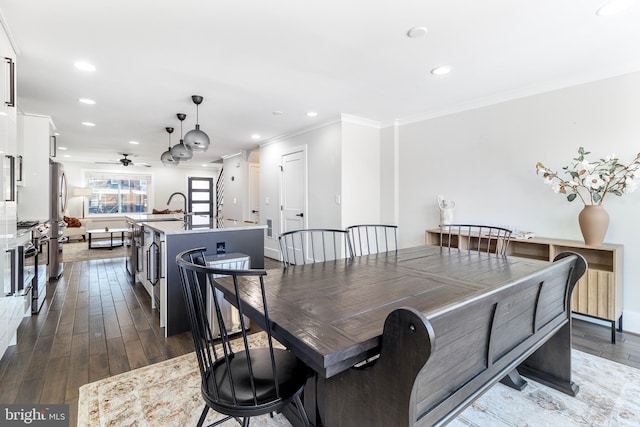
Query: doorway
x,y
293,190
200,196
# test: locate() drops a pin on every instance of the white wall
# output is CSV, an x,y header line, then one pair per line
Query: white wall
x,y
484,160
164,180
360,174
388,164
235,184
324,180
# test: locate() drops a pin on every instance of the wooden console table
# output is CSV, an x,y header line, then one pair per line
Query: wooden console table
x,y
598,294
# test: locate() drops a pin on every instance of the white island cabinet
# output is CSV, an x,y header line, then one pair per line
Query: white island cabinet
x,y
169,238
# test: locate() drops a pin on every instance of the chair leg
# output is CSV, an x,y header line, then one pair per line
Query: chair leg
x,y
303,413
203,416
245,421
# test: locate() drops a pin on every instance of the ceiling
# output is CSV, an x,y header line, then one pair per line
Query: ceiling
x,y
251,58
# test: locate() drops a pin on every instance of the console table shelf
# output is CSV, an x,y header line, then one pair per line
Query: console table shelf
x,y
598,294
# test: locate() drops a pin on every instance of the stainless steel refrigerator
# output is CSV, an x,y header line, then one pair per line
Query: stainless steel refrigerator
x,y
57,207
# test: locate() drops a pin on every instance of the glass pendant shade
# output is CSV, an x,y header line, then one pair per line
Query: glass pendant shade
x,y
196,139
181,152
167,159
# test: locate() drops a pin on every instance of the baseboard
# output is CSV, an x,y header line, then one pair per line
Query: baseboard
x,y
631,321
272,253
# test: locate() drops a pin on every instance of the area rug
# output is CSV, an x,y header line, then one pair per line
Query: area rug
x,y
168,394
79,251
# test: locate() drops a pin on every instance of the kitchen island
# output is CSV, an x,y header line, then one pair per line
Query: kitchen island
x,y
168,238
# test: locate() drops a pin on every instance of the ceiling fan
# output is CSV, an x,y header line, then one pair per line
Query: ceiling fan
x,y
125,161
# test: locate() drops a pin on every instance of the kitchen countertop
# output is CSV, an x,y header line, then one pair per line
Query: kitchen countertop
x,y
155,217
197,224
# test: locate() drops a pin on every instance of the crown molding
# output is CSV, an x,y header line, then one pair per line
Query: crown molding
x,y
301,131
513,95
7,30
360,121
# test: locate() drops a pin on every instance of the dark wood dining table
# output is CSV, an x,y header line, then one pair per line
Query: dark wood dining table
x,y
332,314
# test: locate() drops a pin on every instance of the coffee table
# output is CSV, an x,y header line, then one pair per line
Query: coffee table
x,y
107,244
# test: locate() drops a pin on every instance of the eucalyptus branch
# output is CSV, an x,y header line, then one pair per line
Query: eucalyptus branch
x,y
597,178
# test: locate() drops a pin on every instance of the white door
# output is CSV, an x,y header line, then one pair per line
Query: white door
x,y
294,195
254,193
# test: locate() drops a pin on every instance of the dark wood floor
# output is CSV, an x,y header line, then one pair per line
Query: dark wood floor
x,y
96,324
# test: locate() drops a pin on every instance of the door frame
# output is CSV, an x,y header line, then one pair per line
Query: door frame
x,y
292,150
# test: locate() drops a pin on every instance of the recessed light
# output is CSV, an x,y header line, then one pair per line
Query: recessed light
x,y
312,114
88,124
86,101
615,6
62,148
255,136
134,142
277,112
416,32
57,133
84,66
2,113
67,155
204,165
440,71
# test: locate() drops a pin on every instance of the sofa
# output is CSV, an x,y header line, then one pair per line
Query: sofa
x,y
73,231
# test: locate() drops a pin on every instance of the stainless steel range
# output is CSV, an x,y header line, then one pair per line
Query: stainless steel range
x,y
36,261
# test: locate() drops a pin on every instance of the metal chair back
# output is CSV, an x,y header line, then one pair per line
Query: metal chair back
x,y
309,246
237,380
369,239
472,237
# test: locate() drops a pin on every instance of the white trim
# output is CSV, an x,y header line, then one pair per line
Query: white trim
x,y
42,116
631,321
229,156
361,121
396,172
509,96
9,34
304,149
272,253
304,130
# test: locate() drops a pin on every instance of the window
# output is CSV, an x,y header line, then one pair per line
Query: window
x,y
113,193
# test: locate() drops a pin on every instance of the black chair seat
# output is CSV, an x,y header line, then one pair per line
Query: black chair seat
x,y
291,375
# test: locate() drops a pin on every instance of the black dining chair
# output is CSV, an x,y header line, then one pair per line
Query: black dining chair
x,y
237,381
313,245
367,239
472,237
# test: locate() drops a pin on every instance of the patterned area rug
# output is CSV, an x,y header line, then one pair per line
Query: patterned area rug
x,y
168,394
79,251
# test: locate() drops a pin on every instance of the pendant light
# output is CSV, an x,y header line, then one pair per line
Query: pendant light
x,y
196,139
166,158
180,151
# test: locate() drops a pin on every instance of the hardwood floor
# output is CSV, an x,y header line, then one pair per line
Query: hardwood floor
x,y
96,324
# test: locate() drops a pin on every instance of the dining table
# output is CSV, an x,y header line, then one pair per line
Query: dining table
x,y
475,310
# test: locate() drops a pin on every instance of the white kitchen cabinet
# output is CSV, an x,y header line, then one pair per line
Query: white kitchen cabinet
x,y
11,308
34,135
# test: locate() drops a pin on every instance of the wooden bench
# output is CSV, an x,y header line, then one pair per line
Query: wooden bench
x,y
430,369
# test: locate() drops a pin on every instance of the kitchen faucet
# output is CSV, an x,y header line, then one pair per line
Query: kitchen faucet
x,y
177,193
